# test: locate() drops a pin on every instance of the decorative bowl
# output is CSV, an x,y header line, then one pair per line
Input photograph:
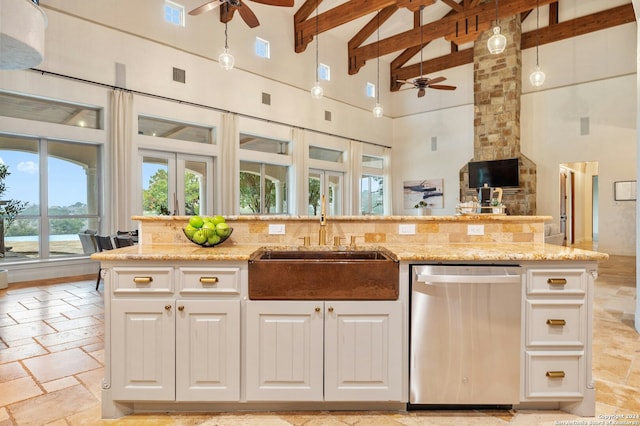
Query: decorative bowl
x,y
223,238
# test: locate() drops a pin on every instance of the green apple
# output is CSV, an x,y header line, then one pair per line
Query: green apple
x,y
218,219
189,231
213,239
222,229
196,221
200,236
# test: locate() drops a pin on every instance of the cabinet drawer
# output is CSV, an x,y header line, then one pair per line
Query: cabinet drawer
x,y
555,375
143,280
553,323
556,281
220,280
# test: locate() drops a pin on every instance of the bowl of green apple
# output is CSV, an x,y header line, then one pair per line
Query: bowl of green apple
x,y
207,231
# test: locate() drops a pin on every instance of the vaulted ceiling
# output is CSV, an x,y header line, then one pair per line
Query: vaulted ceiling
x,y
459,22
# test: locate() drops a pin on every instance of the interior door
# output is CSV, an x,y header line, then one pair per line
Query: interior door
x,y
175,183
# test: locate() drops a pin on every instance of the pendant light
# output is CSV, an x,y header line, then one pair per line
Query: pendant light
x,y
377,110
226,59
497,42
316,91
537,77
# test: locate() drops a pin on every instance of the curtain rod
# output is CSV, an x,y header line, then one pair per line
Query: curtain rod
x,y
209,107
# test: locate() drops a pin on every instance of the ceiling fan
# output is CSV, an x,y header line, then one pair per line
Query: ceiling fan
x,y
422,83
230,6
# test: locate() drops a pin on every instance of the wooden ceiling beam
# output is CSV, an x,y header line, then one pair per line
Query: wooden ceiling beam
x,y
445,26
579,26
372,26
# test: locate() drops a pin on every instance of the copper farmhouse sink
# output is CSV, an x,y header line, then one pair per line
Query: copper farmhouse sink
x,y
323,275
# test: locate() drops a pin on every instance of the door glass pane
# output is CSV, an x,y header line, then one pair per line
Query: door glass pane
x,y
22,192
275,184
249,188
72,172
371,195
315,180
155,186
334,195
195,187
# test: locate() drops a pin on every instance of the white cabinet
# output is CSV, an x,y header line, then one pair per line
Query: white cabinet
x,y
557,336
167,346
331,351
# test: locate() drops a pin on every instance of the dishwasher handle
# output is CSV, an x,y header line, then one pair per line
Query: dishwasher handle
x,y
468,279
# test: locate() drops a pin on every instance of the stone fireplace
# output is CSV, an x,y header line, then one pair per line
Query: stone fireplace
x,y
497,90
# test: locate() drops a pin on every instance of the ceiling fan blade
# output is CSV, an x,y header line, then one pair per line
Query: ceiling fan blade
x,y
404,82
247,15
442,87
421,92
206,7
436,80
283,3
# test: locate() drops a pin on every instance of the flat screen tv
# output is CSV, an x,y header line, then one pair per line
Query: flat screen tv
x,y
495,173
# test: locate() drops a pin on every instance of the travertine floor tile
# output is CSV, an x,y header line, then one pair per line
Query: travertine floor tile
x,y
52,406
18,390
60,364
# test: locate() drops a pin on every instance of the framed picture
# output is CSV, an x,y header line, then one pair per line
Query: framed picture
x,y
624,190
427,190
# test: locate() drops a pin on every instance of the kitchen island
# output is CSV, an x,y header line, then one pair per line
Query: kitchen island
x,y
181,333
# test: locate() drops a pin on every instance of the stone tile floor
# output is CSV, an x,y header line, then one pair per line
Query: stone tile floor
x,y
52,356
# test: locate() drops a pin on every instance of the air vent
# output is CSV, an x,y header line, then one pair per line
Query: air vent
x,y
179,75
266,98
327,115
584,126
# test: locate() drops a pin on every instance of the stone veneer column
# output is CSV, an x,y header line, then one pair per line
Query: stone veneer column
x,y
497,91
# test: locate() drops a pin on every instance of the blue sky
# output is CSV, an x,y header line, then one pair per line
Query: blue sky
x,y
67,182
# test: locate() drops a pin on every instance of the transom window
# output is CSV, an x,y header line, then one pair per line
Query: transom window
x,y
324,72
371,90
261,144
263,49
163,128
326,154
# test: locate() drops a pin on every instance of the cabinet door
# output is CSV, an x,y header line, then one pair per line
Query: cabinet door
x,y
208,350
284,351
143,350
363,351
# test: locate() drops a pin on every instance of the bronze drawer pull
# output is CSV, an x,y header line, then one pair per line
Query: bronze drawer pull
x,y
555,374
557,281
142,280
559,322
208,280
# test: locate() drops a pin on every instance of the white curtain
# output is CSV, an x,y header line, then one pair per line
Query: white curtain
x,y
229,165
118,164
388,183
355,166
301,171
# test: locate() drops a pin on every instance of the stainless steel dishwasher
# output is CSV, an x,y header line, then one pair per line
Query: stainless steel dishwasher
x,y
465,335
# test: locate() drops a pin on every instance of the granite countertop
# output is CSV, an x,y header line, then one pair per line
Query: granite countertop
x,y
403,252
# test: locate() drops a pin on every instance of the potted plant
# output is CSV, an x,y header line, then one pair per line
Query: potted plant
x,y
9,209
496,206
422,207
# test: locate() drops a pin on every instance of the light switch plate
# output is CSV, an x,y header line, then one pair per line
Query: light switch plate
x,y
475,229
276,229
407,229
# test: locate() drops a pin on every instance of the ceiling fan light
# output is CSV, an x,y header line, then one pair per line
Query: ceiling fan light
x,y
226,60
537,77
317,91
378,111
497,42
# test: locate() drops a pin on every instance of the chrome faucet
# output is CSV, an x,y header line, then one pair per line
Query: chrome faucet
x,y
322,234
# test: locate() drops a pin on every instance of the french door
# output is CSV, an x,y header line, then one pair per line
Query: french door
x,y
176,184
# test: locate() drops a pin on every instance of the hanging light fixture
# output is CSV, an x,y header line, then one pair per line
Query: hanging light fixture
x,y
226,59
497,42
377,110
537,77
316,91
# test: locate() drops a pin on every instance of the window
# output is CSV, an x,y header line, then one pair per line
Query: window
x,y
49,111
326,154
263,188
59,181
371,90
327,183
174,13
260,144
163,128
263,48
324,72
372,185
